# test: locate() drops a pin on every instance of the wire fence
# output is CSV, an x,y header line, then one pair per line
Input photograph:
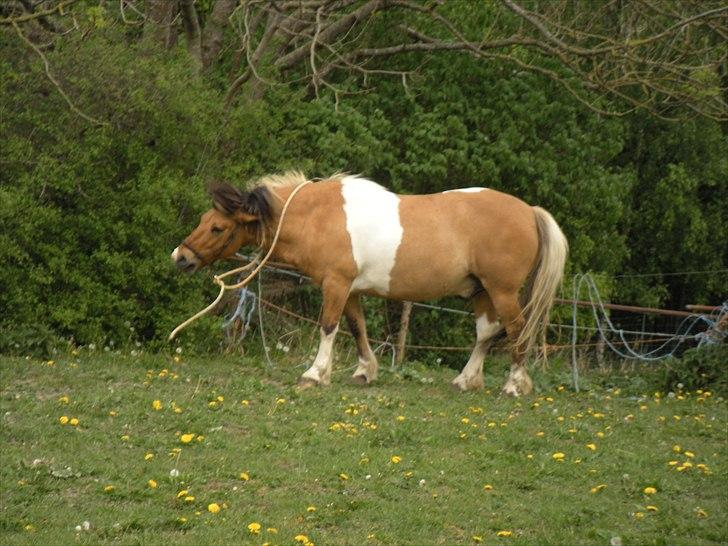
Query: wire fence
x,y
596,328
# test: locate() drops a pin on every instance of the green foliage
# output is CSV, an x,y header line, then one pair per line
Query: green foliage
x,y
698,368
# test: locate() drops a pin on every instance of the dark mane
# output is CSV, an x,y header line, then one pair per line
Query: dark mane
x,y
228,199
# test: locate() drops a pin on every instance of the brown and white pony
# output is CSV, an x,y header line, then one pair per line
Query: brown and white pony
x,y
354,237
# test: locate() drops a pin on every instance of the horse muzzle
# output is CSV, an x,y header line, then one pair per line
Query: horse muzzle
x,y
184,262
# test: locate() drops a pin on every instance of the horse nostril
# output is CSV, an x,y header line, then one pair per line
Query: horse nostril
x,y
181,262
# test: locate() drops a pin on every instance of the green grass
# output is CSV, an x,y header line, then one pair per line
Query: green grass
x,y
320,460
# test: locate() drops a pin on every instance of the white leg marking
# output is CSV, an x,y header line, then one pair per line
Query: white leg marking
x,y
472,375
518,382
320,370
373,223
367,368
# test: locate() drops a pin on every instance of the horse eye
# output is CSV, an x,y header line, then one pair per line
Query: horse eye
x,y
217,230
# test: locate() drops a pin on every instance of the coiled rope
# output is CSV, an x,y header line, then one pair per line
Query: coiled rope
x,y
218,279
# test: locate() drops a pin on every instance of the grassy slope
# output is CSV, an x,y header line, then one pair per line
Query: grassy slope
x,y
297,457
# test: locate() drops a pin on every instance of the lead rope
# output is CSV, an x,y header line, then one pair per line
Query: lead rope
x,y
218,279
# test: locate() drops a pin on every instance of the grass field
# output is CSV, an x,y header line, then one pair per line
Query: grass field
x,y
220,450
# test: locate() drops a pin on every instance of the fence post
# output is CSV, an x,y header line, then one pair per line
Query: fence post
x,y
403,329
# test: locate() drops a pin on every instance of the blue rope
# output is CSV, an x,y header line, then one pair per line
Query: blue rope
x,y
243,311
666,349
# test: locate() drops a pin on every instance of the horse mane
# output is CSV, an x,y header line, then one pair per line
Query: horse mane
x,y
288,179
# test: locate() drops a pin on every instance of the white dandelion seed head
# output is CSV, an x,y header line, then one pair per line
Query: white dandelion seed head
x,y
279,345
615,541
286,348
86,525
368,477
78,528
178,350
680,385
174,473
91,346
422,482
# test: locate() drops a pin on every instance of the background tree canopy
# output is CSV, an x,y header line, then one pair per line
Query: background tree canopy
x,y
610,114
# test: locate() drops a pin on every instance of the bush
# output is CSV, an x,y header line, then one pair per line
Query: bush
x,y
699,368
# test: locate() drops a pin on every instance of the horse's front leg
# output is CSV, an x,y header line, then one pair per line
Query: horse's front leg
x,y
366,372
335,292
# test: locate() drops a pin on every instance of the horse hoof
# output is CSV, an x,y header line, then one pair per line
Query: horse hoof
x,y
307,383
463,385
510,390
360,380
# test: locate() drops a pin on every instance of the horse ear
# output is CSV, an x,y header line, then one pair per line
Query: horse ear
x,y
229,200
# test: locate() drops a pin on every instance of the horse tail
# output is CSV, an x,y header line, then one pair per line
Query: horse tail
x,y
545,279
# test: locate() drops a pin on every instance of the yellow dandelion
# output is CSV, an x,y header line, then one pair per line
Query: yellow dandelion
x,y
689,454
186,438
464,420
672,463
157,405
687,464
540,433
400,418
651,508
189,498
477,538
109,489
311,509
182,493
29,528
245,402
488,487
212,404
649,490
639,515
593,447
395,459
504,533
63,419
701,513
152,484
220,398
213,508
343,477
244,476
124,437
63,399
182,520
676,448
73,422
301,538
598,488
600,434
558,456
112,413
200,438
280,401
272,530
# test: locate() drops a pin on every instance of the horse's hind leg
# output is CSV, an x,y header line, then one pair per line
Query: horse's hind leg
x,y
487,326
510,312
366,372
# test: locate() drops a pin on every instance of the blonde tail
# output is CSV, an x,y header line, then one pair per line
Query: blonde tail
x,y
545,279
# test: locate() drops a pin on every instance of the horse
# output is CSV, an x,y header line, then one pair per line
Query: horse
x,y
354,237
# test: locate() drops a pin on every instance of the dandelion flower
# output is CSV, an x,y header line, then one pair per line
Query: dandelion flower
x,y
254,528
125,438
213,508
652,508
186,438
182,493
63,419
157,405
400,418
597,488
301,538
109,489
63,399
689,454
189,498
244,476
649,491
73,422
311,509
477,538
639,515
343,477
593,447
488,487
504,533
701,513
149,456
272,530
676,448
558,456
152,484
396,459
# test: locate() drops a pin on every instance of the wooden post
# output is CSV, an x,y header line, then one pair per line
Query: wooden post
x,y
403,329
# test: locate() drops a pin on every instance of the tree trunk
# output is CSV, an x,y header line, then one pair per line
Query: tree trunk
x,y
214,29
159,22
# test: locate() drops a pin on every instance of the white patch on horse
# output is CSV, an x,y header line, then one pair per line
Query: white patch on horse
x,y
320,370
466,190
472,375
174,254
372,220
